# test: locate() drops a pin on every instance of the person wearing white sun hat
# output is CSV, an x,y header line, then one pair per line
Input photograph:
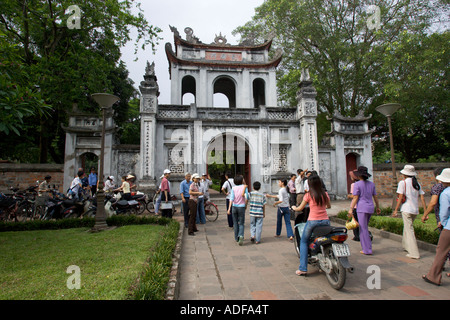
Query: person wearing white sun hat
x,y
410,208
434,275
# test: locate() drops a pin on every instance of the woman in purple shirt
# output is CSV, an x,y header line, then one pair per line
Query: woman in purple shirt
x,y
363,192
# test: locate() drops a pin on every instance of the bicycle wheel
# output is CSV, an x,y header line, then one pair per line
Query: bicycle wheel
x,y
39,212
24,212
211,211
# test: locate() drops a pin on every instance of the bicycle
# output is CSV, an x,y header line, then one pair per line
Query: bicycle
x,y
211,211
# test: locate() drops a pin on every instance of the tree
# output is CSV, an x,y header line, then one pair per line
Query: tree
x,y
18,99
416,74
70,63
356,54
335,41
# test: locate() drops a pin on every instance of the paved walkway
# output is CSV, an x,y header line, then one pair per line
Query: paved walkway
x,y
214,266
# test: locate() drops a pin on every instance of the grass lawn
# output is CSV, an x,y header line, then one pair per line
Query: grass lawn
x,y
33,264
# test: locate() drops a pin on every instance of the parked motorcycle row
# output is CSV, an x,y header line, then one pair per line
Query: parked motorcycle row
x,y
23,205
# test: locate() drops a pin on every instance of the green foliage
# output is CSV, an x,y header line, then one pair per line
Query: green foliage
x,y
18,98
424,232
130,130
69,65
115,220
355,67
152,283
34,263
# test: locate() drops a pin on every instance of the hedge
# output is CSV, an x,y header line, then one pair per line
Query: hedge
x,y
115,220
395,225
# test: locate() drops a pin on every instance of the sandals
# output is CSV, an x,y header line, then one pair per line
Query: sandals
x,y
301,273
424,277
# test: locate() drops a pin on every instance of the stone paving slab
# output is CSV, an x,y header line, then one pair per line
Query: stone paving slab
x,y
214,267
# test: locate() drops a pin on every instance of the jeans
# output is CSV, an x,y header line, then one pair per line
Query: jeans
x,y
256,224
304,242
201,218
238,214
158,204
284,212
229,216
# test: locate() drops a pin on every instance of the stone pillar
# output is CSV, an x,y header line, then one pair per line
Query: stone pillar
x,y
307,114
148,109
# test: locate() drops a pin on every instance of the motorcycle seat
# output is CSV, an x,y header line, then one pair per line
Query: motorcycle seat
x,y
321,231
68,203
122,203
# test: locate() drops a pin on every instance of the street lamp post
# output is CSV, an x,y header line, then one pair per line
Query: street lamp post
x,y
388,110
105,101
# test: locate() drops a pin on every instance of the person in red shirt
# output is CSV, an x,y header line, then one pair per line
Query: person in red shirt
x,y
165,193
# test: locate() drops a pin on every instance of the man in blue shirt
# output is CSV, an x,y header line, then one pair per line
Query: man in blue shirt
x,y
93,181
434,275
184,191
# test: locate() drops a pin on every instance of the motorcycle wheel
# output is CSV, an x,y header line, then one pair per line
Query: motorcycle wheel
x,y
336,276
142,207
90,213
297,242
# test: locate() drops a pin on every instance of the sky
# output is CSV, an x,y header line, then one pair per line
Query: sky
x,y
207,18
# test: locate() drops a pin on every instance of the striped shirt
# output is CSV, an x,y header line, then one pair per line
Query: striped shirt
x,y
257,202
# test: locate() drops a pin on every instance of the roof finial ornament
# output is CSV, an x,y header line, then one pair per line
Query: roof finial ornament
x,y
220,40
150,69
305,75
190,35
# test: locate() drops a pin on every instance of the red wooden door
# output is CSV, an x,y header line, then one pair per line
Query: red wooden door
x,y
350,162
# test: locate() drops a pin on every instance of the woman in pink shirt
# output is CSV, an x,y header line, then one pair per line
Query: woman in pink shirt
x,y
238,199
318,201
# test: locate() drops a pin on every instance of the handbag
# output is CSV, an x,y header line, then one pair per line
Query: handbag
x,y
403,195
352,224
166,205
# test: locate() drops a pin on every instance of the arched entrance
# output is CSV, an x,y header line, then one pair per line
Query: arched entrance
x,y
228,152
89,160
350,164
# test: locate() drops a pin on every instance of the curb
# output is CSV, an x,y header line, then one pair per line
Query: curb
x,y
392,236
173,287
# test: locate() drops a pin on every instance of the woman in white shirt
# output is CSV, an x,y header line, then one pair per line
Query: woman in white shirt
x,y
109,184
410,208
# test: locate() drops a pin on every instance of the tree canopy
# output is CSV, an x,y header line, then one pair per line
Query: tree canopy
x,y
361,54
67,52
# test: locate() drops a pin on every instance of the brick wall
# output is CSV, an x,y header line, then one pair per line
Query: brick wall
x,y
24,175
382,176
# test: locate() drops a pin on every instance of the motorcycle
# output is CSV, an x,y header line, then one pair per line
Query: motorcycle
x,y
327,250
142,199
113,205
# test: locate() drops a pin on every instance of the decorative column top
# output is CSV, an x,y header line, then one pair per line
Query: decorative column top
x,y
150,84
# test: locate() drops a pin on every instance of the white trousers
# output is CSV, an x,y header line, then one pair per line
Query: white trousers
x,y
409,238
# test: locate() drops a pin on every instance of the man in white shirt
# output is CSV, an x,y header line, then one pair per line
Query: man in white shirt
x,y
76,186
300,186
226,188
